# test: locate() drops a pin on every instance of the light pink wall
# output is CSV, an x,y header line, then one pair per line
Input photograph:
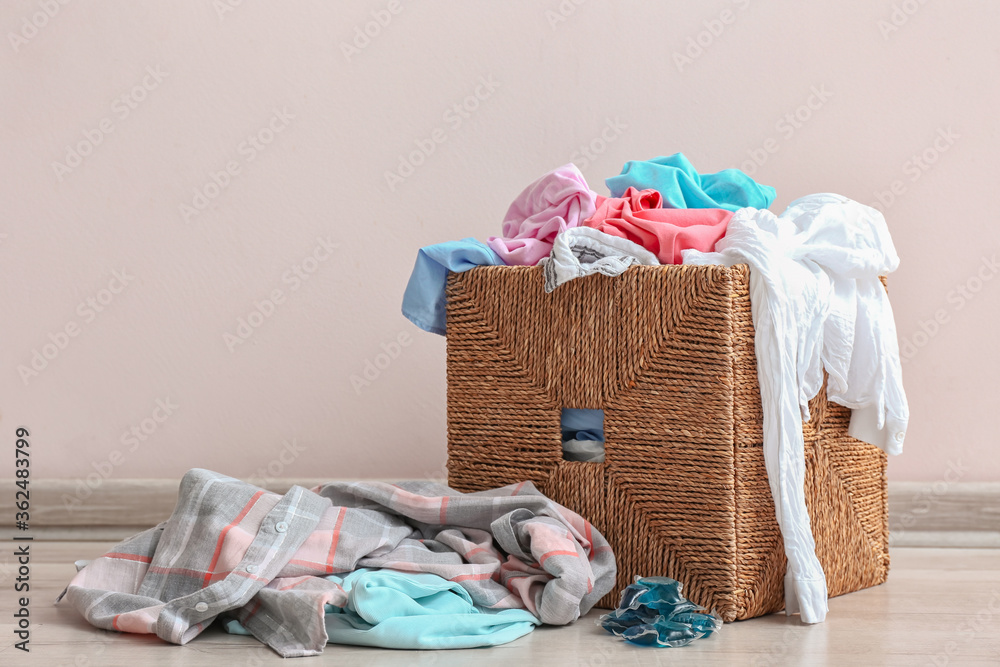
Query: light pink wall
x,y
561,73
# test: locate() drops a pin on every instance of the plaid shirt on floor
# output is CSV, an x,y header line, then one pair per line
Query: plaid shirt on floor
x,y
232,548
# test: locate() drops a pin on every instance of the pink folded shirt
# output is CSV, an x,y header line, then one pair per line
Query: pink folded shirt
x,y
639,217
557,201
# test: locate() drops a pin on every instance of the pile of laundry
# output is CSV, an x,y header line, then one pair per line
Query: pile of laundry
x,y
657,209
411,565
817,302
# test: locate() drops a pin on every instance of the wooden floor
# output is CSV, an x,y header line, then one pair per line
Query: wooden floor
x,y
939,607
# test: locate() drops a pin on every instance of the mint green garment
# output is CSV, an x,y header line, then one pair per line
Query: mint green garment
x,y
391,609
682,187
418,610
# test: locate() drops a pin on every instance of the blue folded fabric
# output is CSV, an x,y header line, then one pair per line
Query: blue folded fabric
x,y
596,435
582,434
394,609
391,609
582,424
683,187
424,298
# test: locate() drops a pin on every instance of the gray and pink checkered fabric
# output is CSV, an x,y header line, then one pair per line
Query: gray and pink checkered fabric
x,y
233,549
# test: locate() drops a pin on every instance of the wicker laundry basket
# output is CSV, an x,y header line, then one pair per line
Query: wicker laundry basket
x,y
668,354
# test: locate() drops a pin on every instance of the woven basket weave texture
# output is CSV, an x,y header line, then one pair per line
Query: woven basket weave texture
x,y
668,354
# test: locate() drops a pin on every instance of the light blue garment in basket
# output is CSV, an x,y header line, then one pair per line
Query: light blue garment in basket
x,y
424,298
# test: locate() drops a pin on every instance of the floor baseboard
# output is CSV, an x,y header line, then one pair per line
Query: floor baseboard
x,y
107,509
938,514
960,514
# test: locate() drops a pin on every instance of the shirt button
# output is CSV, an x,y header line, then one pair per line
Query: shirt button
x,y
281,526
900,436
251,568
201,606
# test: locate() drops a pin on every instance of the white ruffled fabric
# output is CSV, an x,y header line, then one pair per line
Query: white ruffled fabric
x,y
581,251
817,303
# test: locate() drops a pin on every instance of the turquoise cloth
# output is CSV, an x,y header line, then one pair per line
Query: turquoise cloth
x,y
391,609
424,298
653,612
683,187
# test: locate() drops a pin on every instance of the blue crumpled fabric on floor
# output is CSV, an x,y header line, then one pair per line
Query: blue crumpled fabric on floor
x,y
424,298
653,612
413,610
683,187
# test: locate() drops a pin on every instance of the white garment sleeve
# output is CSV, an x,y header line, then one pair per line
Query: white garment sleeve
x,y
775,345
864,427
784,445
